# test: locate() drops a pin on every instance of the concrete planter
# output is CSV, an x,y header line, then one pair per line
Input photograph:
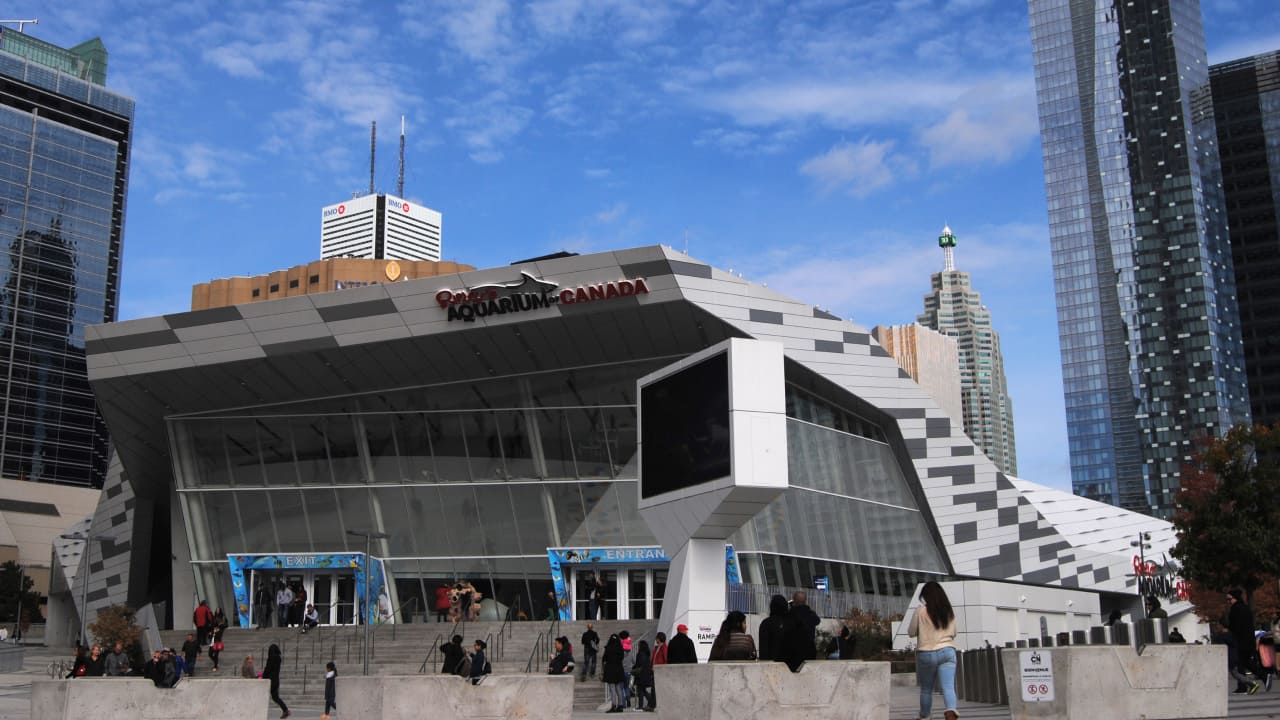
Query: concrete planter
x,y
834,690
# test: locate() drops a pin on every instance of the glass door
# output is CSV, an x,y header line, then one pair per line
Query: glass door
x,y
345,600
659,590
322,597
638,594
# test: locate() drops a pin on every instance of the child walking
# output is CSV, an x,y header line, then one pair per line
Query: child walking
x,y
330,688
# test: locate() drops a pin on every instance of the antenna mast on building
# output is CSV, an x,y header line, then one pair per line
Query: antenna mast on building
x,y
400,177
373,151
21,23
947,241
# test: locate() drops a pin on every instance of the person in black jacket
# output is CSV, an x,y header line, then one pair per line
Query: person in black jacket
x,y
562,662
612,674
680,649
479,667
773,629
801,632
272,672
846,643
453,655
190,651
1240,623
590,651
642,675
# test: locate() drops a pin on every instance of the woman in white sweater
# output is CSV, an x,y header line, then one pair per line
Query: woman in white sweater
x,y
934,626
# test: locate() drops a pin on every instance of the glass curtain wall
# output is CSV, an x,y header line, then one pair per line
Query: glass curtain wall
x,y
471,480
849,516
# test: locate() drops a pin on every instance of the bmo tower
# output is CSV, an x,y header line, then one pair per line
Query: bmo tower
x,y
379,227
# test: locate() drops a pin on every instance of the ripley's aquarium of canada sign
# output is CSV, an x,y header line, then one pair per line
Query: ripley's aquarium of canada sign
x,y
529,293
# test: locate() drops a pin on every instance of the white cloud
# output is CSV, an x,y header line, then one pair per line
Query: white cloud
x,y
859,168
992,123
611,214
597,173
487,125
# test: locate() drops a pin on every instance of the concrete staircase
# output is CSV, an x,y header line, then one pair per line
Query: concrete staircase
x,y
399,650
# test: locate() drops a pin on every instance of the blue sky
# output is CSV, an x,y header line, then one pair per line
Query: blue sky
x,y
815,146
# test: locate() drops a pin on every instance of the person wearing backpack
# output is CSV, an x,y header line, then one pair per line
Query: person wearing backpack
x,y
479,666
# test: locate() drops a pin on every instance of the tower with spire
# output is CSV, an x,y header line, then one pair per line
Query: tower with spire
x,y
954,308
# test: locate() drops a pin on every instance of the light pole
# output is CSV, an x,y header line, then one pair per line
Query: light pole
x,y
88,539
1141,544
368,536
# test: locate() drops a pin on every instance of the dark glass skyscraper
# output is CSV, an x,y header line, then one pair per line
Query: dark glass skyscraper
x,y
1245,104
64,160
1147,317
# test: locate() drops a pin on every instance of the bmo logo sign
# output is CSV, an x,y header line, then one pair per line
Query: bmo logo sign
x,y
404,206
333,212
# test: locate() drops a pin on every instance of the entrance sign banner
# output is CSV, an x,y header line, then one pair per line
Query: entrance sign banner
x,y
1036,675
352,562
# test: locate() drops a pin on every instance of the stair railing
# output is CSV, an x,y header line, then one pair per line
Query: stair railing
x,y
431,653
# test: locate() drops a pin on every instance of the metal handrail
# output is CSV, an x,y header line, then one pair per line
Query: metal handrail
x,y
504,630
539,650
431,653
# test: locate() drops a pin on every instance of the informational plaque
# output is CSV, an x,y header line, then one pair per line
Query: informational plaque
x,y
1036,672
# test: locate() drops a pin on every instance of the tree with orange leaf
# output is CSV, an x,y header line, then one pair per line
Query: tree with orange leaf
x,y
1228,514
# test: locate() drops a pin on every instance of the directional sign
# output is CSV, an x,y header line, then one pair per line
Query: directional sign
x,y
1036,673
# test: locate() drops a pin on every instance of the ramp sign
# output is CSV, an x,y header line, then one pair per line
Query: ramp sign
x,y
1036,673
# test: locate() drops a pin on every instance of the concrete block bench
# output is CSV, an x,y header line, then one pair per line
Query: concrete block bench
x,y
397,697
140,699
1165,682
822,690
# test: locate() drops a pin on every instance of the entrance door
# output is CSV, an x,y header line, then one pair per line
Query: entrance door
x,y
322,597
345,600
631,593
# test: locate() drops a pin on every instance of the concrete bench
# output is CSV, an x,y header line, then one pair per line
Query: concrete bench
x,y
397,697
1165,682
822,690
140,699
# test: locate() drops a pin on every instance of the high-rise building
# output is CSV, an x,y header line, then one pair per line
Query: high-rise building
x,y
1147,320
955,309
64,169
931,358
379,227
1245,106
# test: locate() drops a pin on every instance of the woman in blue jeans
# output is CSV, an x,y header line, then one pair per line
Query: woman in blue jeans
x,y
934,626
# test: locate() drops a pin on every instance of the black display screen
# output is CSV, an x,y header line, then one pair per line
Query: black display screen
x,y
685,428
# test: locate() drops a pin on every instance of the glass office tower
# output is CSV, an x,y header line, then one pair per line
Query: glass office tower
x,y
1245,104
64,158
1147,317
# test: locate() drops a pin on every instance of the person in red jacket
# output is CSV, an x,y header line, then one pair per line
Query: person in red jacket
x,y
442,602
660,649
203,618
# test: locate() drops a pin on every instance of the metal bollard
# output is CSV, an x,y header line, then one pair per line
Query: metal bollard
x,y
1079,637
1100,635
1120,633
1020,644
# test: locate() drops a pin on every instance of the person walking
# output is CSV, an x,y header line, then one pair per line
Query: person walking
x,y
800,635
642,674
190,651
117,664
934,625
773,631
272,673
1240,624
330,689
203,619
590,652
215,648
612,675
680,649
733,642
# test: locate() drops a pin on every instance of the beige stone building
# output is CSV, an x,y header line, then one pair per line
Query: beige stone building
x,y
932,359
316,277
32,515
